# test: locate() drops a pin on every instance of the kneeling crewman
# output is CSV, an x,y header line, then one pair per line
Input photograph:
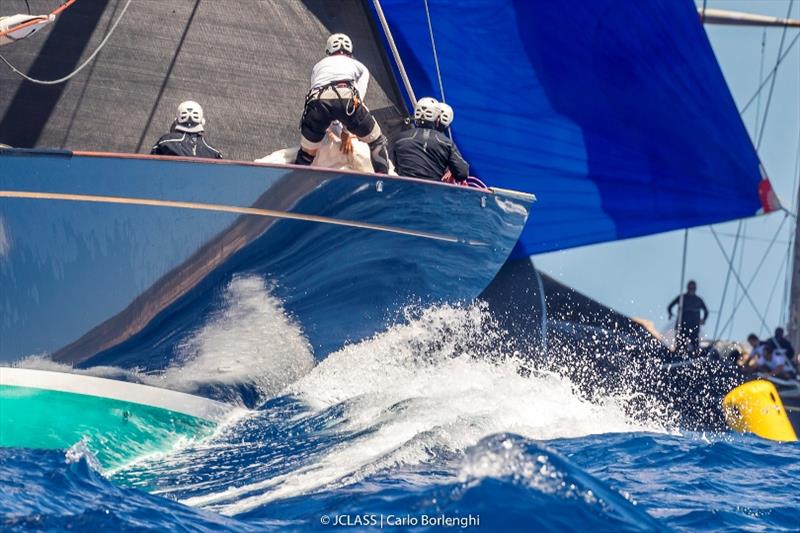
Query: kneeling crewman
x,y
338,86
424,151
186,137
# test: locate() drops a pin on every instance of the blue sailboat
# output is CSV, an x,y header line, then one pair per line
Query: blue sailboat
x,y
618,115
119,260
113,259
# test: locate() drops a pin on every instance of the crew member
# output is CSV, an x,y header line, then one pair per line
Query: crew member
x,y
338,87
187,135
749,362
772,363
445,117
693,314
781,345
424,151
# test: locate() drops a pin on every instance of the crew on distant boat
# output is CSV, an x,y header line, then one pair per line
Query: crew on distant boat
x,y
693,314
772,363
781,345
756,346
424,151
749,361
338,88
187,135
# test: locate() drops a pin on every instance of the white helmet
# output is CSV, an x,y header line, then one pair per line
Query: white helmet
x,y
445,115
427,109
339,42
190,117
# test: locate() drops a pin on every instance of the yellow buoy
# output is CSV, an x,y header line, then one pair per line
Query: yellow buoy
x,y
756,407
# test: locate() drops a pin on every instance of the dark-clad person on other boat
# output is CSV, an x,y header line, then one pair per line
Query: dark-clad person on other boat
x,y
692,313
781,345
187,135
425,151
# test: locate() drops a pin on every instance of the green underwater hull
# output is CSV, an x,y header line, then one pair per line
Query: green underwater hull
x,y
116,431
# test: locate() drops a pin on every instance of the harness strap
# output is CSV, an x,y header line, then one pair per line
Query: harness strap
x,y
352,103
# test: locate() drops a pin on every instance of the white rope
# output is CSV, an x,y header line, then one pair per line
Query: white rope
x,y
435,54
81,67
395,53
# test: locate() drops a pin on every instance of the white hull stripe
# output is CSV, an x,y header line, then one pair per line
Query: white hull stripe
x,y
178,402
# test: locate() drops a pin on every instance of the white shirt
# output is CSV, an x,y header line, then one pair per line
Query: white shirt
x,y
340,67
777,360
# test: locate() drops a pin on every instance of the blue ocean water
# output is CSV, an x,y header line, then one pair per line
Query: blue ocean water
x,y
429,425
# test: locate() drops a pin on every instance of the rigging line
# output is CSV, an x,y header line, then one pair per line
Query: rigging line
x,y
770,75
736,287
774,286
81,67
738,301
781,274
680,293
727,281
395,53
792,234
35,21
739,280
787,289
774,79
743,237
764,256
760,78
796,175
435,54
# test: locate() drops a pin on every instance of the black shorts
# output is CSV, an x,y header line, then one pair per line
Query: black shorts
x,y
320,112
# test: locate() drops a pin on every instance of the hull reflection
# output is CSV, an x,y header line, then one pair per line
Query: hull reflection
x,y
112,259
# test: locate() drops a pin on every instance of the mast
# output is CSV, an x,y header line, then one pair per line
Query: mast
x,y
794,294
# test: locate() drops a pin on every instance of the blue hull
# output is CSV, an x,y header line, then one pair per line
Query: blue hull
x,y
112,259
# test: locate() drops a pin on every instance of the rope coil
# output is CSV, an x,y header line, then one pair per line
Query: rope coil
x,y
82,65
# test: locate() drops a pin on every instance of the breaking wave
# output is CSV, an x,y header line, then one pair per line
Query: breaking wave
x,y
434,419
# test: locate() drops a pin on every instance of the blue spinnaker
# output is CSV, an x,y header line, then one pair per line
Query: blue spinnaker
x,y
614,113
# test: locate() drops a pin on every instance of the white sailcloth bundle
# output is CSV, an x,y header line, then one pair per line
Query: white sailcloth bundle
x,y
332,153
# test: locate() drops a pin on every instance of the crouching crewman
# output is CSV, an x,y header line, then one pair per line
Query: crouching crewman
x,y
424,151
338,87
187,135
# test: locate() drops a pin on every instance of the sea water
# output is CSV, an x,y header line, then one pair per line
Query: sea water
x,y
431,424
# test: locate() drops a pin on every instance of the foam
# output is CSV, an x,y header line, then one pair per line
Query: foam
x,y
437,384
250,340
